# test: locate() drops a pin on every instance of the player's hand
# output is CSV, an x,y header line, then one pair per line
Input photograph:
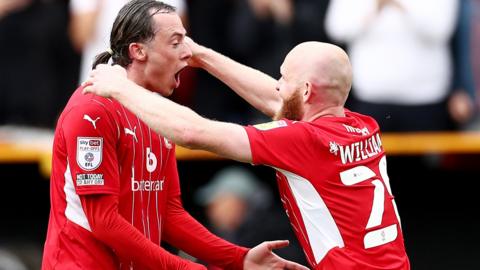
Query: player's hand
x,y
104,80
196,49
262,257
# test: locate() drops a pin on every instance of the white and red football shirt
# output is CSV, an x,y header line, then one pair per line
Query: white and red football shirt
x,y
102,148
334,186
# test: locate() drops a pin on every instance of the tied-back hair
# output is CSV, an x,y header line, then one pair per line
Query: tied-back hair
x,y
134,23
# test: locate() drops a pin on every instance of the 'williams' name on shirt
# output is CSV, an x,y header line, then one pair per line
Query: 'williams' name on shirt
x,y
361,150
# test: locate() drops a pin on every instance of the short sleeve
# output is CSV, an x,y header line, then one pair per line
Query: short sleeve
x,y
280,144
91,136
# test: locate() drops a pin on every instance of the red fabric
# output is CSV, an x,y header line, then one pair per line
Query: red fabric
x,y
185,233
102,148
329,171
113,230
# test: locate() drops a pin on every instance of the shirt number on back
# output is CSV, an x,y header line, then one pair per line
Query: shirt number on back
x,y
362,173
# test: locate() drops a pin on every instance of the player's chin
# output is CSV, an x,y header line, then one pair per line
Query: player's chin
x,y
169,92
165,89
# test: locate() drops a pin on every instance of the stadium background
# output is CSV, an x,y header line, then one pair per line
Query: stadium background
x,y
433,181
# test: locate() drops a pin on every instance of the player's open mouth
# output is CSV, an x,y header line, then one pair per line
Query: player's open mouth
x,y
177,76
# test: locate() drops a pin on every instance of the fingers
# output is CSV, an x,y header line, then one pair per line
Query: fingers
x,y
86,83
88,89
101,66
188,40
115,67
277,244
87,86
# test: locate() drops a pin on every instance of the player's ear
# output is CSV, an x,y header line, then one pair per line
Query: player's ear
x,y
137,51
307,92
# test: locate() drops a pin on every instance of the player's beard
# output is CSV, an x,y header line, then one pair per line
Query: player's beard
x,y
291,109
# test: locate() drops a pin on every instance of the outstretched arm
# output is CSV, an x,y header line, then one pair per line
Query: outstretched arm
x,y
178,123
187,234
256,87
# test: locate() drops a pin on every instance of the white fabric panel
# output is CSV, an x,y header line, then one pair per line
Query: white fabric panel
x,y
74,211
322,231
381,236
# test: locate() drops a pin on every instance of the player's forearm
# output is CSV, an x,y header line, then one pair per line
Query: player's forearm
x,y
113,230
182,125
175,122
256,87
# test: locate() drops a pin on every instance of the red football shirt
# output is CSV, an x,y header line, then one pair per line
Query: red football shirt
x,y
334,186
102,148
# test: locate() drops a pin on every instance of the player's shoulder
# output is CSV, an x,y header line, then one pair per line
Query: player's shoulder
x,y
350,126
86,107
361,118
283,126
88,103
351,123
271,125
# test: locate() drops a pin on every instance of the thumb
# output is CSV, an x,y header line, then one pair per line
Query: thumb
x,y
86,83
277,244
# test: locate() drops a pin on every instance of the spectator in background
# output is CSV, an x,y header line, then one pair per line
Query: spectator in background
x,y
464,104
234,201
256,32
308,21
209,25
38,63
400,57
262,31
90,25
259,35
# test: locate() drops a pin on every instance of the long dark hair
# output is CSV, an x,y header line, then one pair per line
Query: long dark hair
x,y
134,23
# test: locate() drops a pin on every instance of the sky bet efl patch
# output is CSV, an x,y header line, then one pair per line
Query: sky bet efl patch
x,y
89,152
271,125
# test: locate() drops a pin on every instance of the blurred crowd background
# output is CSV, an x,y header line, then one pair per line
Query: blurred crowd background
x,y
410,58
416,68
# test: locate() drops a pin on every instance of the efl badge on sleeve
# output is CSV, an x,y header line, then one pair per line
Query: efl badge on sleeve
x,y
89,152
271,125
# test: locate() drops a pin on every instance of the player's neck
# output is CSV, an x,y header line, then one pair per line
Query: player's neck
x,y
337,111
136,75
